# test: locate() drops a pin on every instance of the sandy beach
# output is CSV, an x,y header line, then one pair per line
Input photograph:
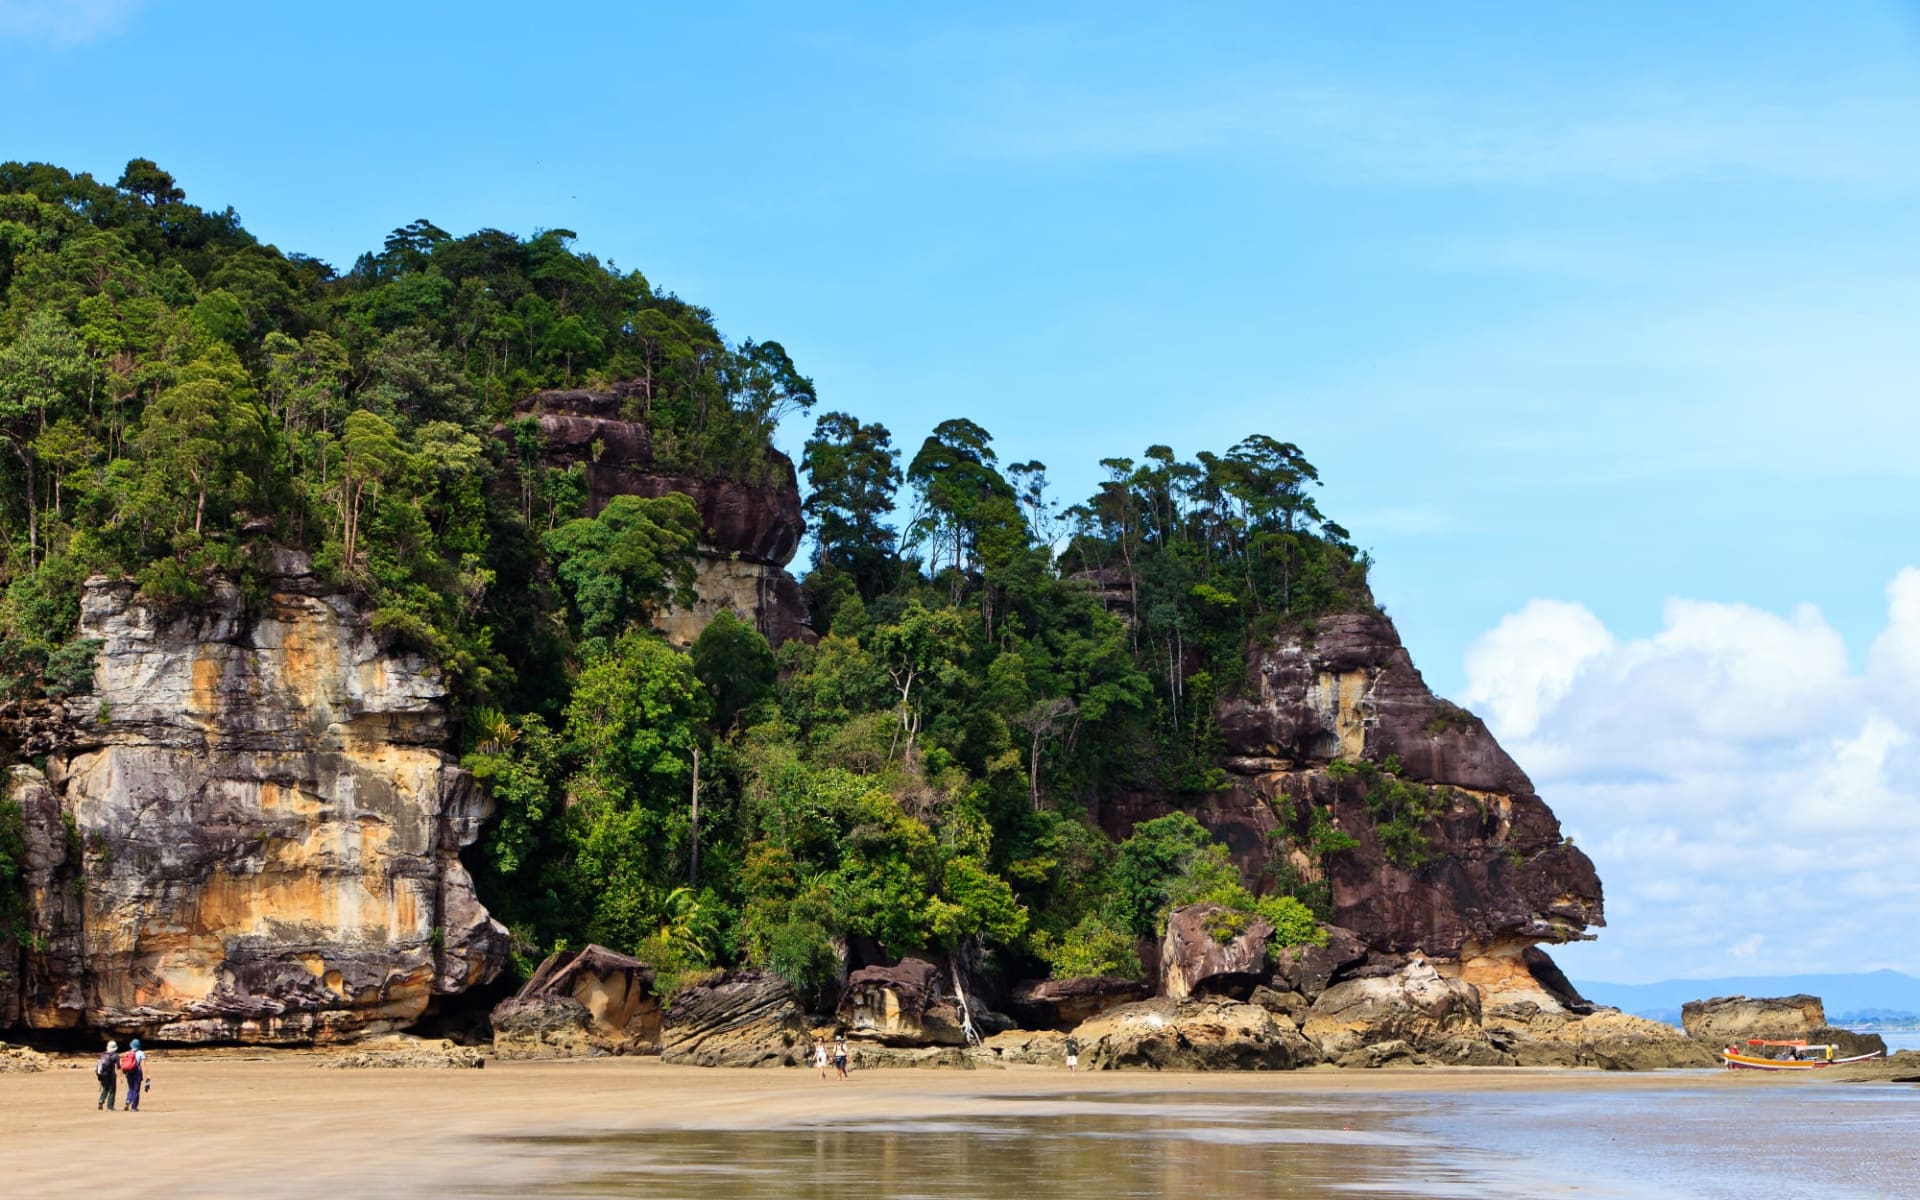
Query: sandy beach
x,y
220,1126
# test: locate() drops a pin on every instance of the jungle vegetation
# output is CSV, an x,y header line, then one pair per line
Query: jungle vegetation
x,y
177,399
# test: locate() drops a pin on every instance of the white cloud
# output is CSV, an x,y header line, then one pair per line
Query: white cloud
x,y
1526,664
64,22
1751,800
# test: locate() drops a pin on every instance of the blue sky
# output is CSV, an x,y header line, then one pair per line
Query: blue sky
x,y
1603,306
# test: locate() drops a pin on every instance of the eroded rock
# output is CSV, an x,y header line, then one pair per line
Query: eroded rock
x,y
1063,1003
580,1003
1212,950
1492,867
1416,1004
903,1005
1608,1039
271,831
1206,1035
746,1018
406,1054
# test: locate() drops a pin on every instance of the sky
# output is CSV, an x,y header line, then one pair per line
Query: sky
x,y
1597,320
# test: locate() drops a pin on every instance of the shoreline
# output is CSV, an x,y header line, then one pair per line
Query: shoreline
x,y
222,1125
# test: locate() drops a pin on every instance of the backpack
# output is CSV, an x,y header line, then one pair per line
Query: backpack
x,y
103,1070
129,1062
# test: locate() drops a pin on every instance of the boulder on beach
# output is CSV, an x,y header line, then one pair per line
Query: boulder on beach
x,y
745,1018
902,1005
581,1003
1198,1035
1211,950
1416,1004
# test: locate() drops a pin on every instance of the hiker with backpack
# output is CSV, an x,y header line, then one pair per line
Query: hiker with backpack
x,y
133,1064
107,1071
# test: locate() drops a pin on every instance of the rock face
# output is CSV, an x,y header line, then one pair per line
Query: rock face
x,y
269,829
580,1003
902,1005
1060,1004
743,1018
1193,1036
1728,1020
46,982
1194,958
750,531
1488,876
1608,1039
1416,1005
1735,1018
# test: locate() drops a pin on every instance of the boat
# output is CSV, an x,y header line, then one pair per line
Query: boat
x,y
1797,1055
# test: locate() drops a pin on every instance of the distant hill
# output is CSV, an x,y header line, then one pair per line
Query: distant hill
x,y
1856,998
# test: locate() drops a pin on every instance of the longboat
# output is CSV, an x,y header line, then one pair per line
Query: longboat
x,y
1797,1055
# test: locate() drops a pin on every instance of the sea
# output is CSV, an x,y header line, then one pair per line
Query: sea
x,y
1798,1141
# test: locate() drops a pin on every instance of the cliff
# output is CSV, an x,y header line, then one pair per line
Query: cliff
x,y
750,530
252,832
1484,873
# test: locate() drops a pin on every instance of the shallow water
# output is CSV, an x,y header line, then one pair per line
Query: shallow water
x,y
1812,1142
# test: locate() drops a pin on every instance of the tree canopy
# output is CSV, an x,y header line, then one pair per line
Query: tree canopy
x,y
177,400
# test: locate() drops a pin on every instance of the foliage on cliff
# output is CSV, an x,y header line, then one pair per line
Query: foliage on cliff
x,y
177,398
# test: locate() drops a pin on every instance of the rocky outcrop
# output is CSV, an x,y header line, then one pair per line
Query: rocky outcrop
x,y
1215,1035
745,1018
903,1005
269,827
580,1003
1060,1004
1416,1005
1212,950
1309,970
406,1054
1479,874
750,529
1608,1039
1735,1018
23,1059
45,980
1730,1020
1021,1047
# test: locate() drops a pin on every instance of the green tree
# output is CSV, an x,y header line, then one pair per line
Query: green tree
x,y
853,471
735,663
622,566
41,369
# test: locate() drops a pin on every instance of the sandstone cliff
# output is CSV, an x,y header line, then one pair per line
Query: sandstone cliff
x,y
750,531
1489,874
252,832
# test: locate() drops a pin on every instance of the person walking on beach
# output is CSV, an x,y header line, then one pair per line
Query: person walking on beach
x,y
107,1071
820,1054
133,1064
840,1055
1073,1053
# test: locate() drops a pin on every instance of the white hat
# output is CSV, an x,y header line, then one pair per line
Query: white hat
x,y
112,1046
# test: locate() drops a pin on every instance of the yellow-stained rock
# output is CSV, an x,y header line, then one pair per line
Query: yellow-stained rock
x,y
271,831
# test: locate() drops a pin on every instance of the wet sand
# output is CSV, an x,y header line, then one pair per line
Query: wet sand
x,y
223,1126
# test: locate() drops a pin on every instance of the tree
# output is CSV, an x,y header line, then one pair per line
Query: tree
x,y
371,456
921,652
193,441
39,371
735,663
852,472
623,565
633,725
